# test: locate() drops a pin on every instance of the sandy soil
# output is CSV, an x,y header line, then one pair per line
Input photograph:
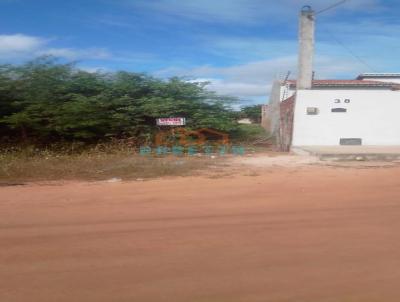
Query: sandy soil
x,y
300,233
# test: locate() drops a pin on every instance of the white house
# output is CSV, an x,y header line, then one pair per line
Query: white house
x,y
341,112
308,112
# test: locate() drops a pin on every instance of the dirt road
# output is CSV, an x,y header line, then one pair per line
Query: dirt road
x,y
296,234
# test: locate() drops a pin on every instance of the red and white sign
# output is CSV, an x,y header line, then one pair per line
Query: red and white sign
x,y
171,121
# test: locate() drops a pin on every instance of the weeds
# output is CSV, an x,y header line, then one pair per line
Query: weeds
x,y
98,163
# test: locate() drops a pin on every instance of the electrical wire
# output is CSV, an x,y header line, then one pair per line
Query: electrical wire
x,y
331,7
350,51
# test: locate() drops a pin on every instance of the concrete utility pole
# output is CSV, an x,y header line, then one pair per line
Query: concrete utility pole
x,y
306,50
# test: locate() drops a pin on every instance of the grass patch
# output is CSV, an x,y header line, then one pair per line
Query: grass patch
x,y
249,133
18,166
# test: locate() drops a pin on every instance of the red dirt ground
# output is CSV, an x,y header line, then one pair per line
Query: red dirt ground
x,y
289,234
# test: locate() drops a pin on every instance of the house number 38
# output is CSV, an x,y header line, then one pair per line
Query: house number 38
x,y
339,101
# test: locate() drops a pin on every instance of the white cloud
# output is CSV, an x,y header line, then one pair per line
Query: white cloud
x,y
248,48
253,80
368,45
19,45
241,89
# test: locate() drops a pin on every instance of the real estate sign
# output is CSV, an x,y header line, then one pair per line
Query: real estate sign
x,y
171,121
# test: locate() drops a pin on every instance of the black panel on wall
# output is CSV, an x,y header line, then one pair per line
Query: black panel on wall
x,y
339,110
351,141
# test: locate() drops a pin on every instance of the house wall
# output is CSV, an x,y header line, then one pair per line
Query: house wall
x,y
372,115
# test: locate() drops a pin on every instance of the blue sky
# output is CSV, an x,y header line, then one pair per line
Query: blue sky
x,y
240,46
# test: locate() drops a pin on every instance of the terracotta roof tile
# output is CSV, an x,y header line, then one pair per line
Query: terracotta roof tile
x,y
348,83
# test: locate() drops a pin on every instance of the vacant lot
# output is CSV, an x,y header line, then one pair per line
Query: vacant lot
x,y
16,168
295,233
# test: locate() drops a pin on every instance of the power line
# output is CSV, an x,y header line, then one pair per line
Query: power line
x,y
350,51
331,7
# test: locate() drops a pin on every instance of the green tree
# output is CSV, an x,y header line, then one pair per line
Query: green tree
x,y
252,112
45,101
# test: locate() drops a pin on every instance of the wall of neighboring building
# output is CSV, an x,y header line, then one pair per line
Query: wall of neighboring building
x,y
272,114
383,79
286,91
265,121
372,115
286,123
